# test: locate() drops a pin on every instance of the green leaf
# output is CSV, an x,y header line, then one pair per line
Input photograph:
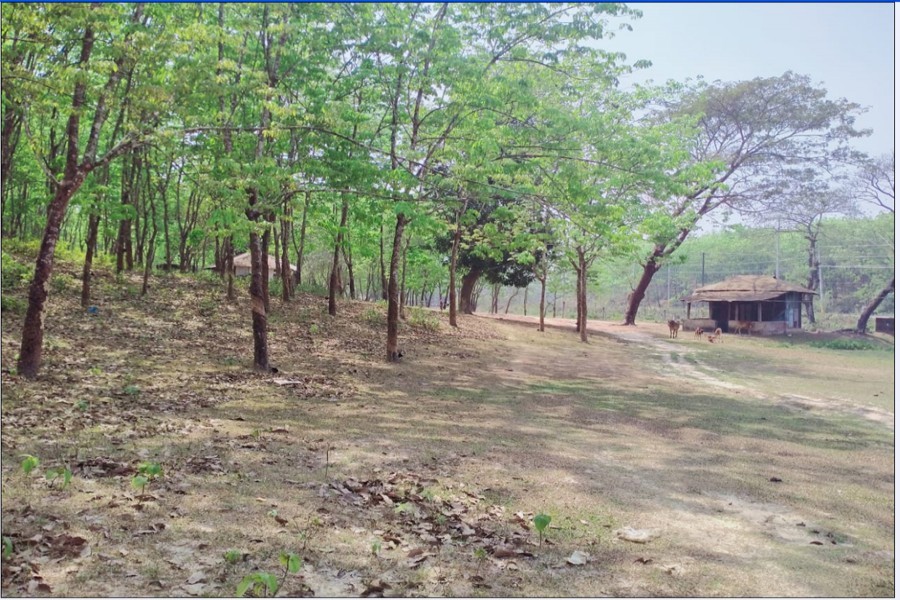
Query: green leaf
x,y
29,463
245,584
271,582
541,521
294,563
138,482
233,556
150,469
67,477
7,547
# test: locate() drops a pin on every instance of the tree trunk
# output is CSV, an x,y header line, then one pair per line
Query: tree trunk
x,y
148,263
812,280
509,301
347,250
335,261
403,299
33,330
525,303
466,300
384,281
287,288
393,316
299,276
543,307
635,298
264,266
229,268
582,299
93,227
258,306
872,306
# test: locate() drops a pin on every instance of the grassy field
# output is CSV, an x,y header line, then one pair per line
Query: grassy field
x,y
757,467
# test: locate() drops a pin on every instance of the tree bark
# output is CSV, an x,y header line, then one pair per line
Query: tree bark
x,y
393,293
384,281
229,267
93,227
812,280
466,300
403,293
258,306
31,351
287,288
543,307
335,262
872,306
264,266
635,298
299,276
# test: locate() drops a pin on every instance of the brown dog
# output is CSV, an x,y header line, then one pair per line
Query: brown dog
x,y
673,329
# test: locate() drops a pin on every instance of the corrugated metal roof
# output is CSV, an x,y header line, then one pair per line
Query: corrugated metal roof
x,y
745,288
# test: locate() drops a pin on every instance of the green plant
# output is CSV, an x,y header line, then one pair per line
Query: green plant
x,y
541,521
147,472
7,547
13,273
63,474
374,316
11,304
844,344
29,463
82,405
376,548
262,584
423,319
233,557
313,329
131,390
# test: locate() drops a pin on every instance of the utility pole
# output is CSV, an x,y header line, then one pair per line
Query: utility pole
x,y
702,269
821,281
778,250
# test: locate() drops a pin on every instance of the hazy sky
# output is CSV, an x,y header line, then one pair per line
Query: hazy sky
x,y
847,47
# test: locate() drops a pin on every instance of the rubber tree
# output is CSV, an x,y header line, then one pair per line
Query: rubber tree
x,y
82,153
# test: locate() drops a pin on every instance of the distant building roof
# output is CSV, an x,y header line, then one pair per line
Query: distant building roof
x,y
243,261
745,288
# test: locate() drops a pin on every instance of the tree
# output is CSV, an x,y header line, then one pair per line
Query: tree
x,y
876,187
80,162
744,132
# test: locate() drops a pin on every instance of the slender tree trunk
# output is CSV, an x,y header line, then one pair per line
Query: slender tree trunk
x,y
229,267
33,330
277,255
148,263
264,265
335,261
258,306
635,298
543,307
812,280
393,316
509,301
872,306
451,295
384,281
299,275
31,350
466,299
93,226
287,288
525,303
403,299
582,300
348,260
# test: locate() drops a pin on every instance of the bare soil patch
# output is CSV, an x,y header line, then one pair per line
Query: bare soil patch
x,y
422,478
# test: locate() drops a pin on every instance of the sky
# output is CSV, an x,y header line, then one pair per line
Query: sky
x,y
849,48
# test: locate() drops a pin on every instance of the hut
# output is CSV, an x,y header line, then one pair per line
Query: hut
x,y
242,265
770,305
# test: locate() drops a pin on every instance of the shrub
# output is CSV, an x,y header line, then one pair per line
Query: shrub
x,y
374,316
14,273
11,304
422,319
844,344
